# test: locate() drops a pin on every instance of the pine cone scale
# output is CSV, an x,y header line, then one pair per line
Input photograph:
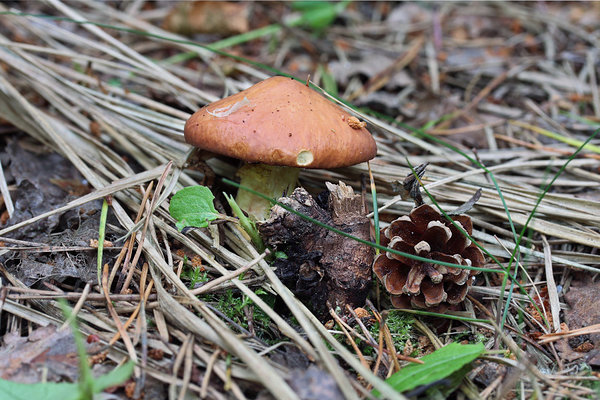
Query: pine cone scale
x,y
414,279
434,294
437,235
395,283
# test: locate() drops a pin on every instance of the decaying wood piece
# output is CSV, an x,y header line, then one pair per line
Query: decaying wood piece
x,y
323,268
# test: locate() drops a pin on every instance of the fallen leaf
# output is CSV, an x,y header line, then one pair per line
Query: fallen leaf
x,y
582,299
23,359
220,17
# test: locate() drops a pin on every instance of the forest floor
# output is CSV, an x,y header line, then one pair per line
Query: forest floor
x,y
499,97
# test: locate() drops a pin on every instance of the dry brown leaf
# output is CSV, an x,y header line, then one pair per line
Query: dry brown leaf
x,y
220,17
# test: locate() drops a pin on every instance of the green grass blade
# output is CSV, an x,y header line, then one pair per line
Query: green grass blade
x,y
556,136
375,208
535,207
101,236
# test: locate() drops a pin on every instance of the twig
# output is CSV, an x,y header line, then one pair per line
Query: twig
x,y
216,282
349,338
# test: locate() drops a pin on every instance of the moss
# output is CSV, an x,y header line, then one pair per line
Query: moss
x,y
232,304
586,371
400,326
471,337
194,276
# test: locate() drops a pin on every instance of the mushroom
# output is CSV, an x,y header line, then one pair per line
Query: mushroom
x,y
277,127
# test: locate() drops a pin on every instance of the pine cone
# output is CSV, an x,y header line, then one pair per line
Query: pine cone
x,y
427,233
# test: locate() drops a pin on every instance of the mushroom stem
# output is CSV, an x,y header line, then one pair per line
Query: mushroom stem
x,y
272,181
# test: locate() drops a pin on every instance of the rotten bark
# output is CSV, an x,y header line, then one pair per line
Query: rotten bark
x,y
323,268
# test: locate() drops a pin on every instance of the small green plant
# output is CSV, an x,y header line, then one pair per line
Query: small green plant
x,y
247,224
232,304
476,337
438,365
399,324
194,276
85,389
116,82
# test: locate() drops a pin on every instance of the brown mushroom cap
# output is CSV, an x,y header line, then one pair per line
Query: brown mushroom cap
x,y
280,121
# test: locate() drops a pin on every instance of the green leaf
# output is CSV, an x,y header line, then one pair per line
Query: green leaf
x,y
451,384
62,391
38,391
318,14
438,365
193,206
114,377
